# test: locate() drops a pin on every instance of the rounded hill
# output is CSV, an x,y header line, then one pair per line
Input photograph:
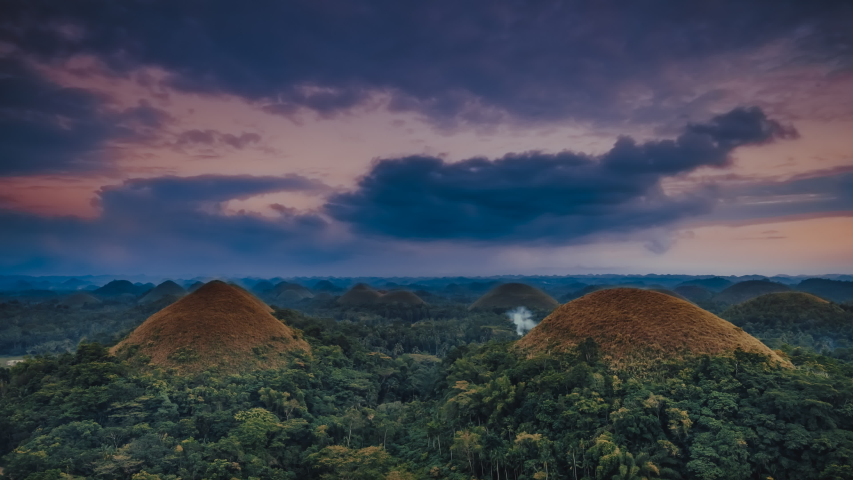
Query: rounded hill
x,y
639,327
404,297
360,294
743,291
79,300
789,310
217,325
167,289
290,292
512,295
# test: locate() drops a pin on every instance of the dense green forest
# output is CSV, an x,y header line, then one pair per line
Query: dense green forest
x,y
374,401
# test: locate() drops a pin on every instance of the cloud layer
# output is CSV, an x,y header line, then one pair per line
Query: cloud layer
x,y
555,198
470,61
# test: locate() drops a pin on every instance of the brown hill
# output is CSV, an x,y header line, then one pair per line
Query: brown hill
x,y
512,295
217,325
639,327
401,296
361,294
166,289
79,300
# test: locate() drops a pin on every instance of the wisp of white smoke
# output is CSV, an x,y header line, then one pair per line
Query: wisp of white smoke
x,y
522,318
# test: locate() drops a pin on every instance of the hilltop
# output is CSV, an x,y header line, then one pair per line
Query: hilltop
x,y
835,290
788,310
512,295
79,300
743,291
404,297
633,327
290,292
218,325
167,289
360,294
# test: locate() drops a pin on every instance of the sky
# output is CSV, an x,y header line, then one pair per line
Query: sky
x,y
440,137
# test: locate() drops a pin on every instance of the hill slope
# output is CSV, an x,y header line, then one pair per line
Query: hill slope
x,y
404,297
217,325
835,290
633,326
80,299
360,294
512,295
165,289
788,310
743,291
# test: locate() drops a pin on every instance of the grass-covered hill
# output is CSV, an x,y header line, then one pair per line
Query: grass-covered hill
x,y
634,327
512,295
217,325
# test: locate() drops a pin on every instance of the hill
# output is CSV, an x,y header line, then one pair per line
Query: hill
x,y
694,293
638,327
743,291
715,284
263,287
218,325
404,297
326,286
788,310
116,288
512,295
290,292
79,300
836,290
194,286
167,289
360,294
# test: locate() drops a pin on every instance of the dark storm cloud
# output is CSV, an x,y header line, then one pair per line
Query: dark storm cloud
x,y
45,128
166,223
468,60
557,198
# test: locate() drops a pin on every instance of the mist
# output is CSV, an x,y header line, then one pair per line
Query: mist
x,y
522,318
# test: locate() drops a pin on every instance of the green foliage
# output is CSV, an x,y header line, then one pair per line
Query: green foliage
x,y
359,407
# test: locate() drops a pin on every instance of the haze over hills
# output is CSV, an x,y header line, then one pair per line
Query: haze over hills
x,y
218,325
639,327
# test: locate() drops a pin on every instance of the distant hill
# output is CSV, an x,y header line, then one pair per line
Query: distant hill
x,y
194,286
218,325
290,292
788,310
79,300
263,287
584,291
743,291
694,293
167,289
120,287
716,284
835,290
402,297
326,286
639,327
512,295
360,294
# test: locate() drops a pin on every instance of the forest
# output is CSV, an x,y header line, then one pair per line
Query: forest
x,y
426,392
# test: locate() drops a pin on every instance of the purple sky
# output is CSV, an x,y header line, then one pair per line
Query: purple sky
x,y
426,137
